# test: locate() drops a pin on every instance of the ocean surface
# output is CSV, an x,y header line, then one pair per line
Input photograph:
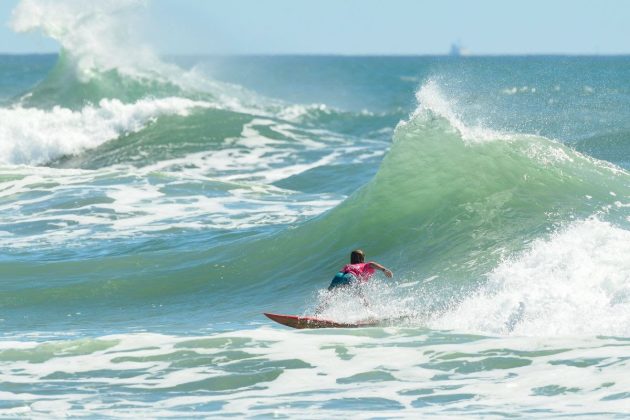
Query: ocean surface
x,y
152,208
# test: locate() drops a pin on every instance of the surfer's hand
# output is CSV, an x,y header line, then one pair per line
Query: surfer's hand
x,y
388,273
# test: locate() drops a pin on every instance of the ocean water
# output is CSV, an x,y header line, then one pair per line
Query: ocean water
x,y
153,207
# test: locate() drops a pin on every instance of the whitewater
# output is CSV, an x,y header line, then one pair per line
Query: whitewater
x,y
153,208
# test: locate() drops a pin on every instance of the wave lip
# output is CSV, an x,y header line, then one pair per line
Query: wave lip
x,y
432,102
95,34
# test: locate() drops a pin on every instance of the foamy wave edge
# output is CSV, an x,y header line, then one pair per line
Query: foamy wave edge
x,y
32,136
574,283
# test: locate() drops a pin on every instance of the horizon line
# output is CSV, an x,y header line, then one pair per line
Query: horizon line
x,y
366,55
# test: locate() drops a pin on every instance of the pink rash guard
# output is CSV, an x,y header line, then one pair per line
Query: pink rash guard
x,y
362,271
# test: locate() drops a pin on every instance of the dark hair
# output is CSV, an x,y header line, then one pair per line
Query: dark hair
x,y
357,256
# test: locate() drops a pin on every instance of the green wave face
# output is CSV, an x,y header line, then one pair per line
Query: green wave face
x,y
444,197
452,198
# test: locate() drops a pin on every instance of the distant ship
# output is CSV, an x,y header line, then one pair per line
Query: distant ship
x,y
458,50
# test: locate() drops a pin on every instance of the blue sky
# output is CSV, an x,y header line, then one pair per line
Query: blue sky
x,y
367,27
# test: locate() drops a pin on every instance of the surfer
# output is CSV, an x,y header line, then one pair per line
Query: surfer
x,y
357,272
354,274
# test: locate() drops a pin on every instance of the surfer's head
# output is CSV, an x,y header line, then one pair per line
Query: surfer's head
x,y
357,256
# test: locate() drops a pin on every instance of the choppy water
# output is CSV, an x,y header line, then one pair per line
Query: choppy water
x,y
152,209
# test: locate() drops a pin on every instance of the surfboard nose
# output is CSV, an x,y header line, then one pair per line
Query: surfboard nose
x,y
273,317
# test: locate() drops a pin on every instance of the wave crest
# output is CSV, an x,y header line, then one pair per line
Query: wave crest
x,y
34,136
94,34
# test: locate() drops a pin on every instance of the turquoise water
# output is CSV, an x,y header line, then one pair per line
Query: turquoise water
x,y
153,208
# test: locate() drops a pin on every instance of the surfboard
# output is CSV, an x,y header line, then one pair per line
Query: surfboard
x,y
301,322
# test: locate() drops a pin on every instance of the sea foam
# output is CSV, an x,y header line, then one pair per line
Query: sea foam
x,y
34,136
574,283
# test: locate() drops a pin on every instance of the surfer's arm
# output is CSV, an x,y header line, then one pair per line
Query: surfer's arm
x,y
377,266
